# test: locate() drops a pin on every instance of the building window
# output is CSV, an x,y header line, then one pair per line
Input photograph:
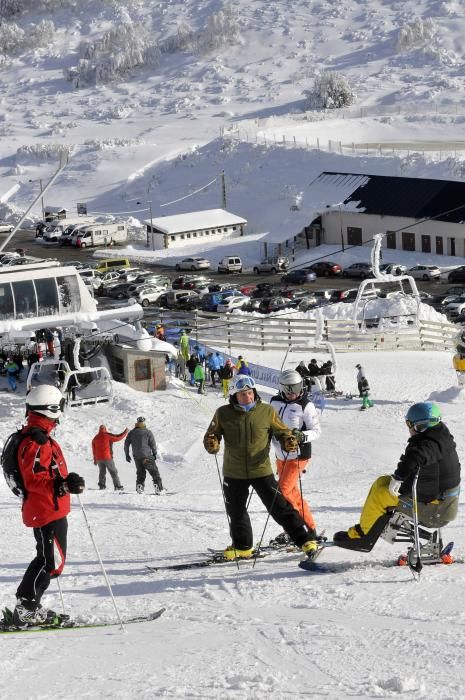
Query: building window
x,y
207,233
68,293
451,246
188,235
141,370
234,228
194,235
47,296
354,235
439,246
117,368
391,239
7,309
225,230
425,244
408,241
25,299
182,236
173,238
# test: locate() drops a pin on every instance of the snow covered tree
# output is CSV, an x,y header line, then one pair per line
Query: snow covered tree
x,y
416,34
330,91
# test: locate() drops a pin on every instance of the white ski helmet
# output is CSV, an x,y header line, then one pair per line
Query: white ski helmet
x,y
46,400
290,382
241,382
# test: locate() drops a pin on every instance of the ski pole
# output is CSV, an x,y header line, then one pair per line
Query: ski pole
x,y
224,501
257,552
417,567
301,492
101,564
249,499
61,595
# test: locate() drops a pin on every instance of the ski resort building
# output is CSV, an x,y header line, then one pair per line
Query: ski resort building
x,y
202,226
416,214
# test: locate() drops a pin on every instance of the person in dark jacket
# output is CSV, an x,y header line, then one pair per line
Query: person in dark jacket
x,y
144,451
102,451
246,425
47,484
430,452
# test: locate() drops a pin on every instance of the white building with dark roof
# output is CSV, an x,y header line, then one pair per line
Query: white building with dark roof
x,y
197,226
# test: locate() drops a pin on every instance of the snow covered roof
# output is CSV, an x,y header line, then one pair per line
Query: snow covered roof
x,y
195,221
54,210
410,197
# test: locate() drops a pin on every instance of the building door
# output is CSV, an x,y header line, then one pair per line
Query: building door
x,y
391,239
451,246
439,247
426,244
408,241
354,235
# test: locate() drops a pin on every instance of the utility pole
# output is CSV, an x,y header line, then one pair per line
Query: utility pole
x,y
342,232
42,199
223,189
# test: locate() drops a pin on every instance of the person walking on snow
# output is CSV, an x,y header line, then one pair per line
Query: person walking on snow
x,y
431,452
47,484
242,366
363,388
12,370
226,374
184,345
297,411
199,377
246,425
102,450
215,364
144,451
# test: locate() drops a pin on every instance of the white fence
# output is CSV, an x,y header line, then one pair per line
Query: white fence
x,y
239,332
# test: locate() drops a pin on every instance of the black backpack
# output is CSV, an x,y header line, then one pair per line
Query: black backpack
x,y
9,458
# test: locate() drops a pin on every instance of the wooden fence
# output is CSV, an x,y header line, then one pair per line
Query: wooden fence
x,y
243,332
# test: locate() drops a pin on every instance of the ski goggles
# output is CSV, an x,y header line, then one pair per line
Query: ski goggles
x,y
52,407
292,388
244,382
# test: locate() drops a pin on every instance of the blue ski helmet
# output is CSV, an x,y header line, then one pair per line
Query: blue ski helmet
x,y
422,416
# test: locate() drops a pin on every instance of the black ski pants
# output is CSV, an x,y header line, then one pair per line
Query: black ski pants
x,y
144,465
50,540
236,493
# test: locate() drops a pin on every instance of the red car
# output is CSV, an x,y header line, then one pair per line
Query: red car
x,y
325,268
247,288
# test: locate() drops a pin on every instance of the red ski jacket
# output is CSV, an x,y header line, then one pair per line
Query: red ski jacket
x,y
102,444
40,465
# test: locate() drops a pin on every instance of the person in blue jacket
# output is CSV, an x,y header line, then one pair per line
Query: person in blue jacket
x,y
215,365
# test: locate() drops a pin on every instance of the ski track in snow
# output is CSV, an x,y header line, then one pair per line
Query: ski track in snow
x,y
365,629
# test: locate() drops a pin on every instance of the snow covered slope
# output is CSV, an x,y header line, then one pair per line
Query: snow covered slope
x,y
366,630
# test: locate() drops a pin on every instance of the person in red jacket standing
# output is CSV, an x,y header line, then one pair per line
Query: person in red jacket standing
x,y
102,449
47,485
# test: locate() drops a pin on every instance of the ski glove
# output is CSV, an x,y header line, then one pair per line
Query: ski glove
x,y
289,443
72,484
394,487
299,436
128,459
211,443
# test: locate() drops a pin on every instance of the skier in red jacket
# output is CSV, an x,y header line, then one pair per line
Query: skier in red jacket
x,y
47,503
102,449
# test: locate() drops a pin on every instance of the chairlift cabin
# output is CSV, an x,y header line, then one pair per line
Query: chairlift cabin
x,y
87,385
42,296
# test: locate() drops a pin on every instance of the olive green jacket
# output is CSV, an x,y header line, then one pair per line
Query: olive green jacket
x,y
247,436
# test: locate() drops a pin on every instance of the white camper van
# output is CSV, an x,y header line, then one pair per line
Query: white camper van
x,y
100,234
55,229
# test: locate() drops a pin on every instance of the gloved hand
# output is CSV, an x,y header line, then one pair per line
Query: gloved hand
x,y
154,455
394,487
128,459
289,443
211,443
299,436
72,484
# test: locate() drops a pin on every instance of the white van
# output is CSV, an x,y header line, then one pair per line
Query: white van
x,y
230,263
56,228
100,234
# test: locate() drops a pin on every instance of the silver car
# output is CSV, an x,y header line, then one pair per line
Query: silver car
x,y
193,264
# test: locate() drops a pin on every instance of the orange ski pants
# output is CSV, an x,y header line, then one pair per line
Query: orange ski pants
x,y
288,476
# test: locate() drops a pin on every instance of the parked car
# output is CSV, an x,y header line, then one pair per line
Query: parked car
x,y
425,272
186,281
147,294
230,303
199,284
248,288
325,268
120,290
360,270
393,269
308,302
6,228
177,298
268,306
264,289
230,263
211,300
272,265
299,277
457,275
193,264
456,307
